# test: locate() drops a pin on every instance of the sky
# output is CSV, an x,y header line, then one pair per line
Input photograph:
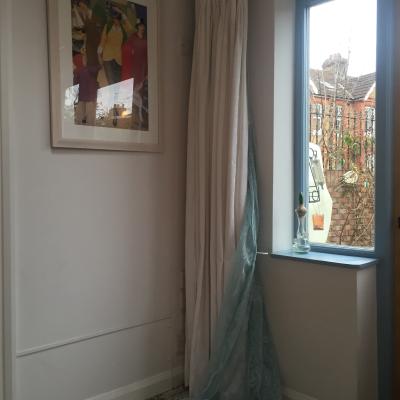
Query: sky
x,y
347,27
119,93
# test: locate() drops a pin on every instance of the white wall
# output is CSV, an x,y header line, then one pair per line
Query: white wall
x,y
326,346
367,335
98,237
323,319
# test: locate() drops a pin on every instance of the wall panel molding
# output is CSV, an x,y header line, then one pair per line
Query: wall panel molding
x,y
7,303
83,338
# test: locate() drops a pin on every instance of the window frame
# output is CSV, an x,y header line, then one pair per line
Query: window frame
x,y
385,218
301,120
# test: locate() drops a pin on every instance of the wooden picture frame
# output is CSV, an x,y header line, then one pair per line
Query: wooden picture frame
x,y
103,60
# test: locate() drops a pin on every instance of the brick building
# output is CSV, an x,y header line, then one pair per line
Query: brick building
x,y
342,123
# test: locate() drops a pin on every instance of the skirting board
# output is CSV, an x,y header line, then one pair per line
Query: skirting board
x,y
291,394
146,388
165,381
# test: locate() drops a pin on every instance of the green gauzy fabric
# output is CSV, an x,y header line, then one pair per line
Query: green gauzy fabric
x,y
243,364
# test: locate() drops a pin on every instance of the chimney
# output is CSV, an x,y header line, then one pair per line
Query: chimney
x,y
336,64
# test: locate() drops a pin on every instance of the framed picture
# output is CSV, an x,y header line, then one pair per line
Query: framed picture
x,y
104,76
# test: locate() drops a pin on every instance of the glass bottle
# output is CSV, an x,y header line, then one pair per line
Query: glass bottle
x,y
301,243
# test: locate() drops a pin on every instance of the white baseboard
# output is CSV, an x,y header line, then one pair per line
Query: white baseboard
x,y
291,394
144,389
163,382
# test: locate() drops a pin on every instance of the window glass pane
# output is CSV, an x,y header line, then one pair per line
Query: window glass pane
x,y
341,123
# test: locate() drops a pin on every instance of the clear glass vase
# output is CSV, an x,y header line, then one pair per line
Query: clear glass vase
x,y
301,243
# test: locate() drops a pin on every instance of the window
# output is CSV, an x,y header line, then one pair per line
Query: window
x,y
316,120
338,122
339,161
336,140
370,120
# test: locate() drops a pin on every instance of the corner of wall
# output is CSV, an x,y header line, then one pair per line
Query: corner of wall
x,y
367,334
283,151
271,76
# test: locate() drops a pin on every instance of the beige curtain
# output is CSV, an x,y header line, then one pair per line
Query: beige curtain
x,y
216,169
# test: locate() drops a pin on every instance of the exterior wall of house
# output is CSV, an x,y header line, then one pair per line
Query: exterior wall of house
x,y
346,228
353,207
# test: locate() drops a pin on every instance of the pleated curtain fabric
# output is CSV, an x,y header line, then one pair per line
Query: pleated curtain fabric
x,y
217,169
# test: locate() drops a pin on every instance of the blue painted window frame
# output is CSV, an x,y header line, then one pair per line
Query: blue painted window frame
x,y
385,151
301,138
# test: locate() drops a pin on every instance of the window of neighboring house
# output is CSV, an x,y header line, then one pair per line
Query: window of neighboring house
x,y
338,134
316,121
370,139
339,160
370,120
338,120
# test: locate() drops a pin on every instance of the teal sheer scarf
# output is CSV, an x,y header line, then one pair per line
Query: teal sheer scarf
x,y
243,364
